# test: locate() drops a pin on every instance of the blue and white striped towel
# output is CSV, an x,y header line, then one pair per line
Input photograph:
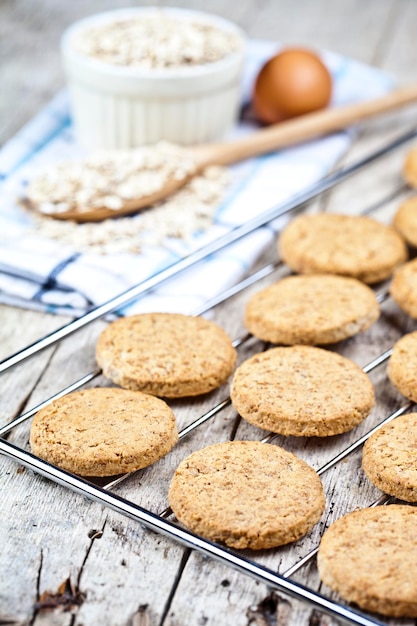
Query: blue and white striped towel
x,y
42,274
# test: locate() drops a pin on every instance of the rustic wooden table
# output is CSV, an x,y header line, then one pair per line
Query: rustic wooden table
x,y
95,565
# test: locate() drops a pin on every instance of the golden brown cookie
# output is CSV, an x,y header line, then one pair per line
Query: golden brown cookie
x,y
405,220
356,246
369,557
166,354
403,288
104,431
247,494
410,168
390,458
311,309
302,391
402,366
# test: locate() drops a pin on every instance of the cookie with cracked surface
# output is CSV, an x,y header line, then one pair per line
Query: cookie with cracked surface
x,y
104,431
166,354
302,391
311,309
247,494
403,288
356,246
390,458
402,366
405,220
369,558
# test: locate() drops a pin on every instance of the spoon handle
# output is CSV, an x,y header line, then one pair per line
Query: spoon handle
x,y
302,128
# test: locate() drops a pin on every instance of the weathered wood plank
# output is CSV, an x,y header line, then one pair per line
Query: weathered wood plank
x,y
122,569
350,28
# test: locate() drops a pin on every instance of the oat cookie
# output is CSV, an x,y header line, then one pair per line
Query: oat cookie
x,y
247,494
403,288
311,309
356,246
104,431
410,168
166,354
405,220
302,391
390,458
369,558
402,366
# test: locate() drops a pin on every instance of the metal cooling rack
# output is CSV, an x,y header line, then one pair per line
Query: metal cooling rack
x,y
161,523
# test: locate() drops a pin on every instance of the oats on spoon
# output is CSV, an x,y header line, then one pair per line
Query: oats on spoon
x,y
110,183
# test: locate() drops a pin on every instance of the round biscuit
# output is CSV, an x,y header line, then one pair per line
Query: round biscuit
x,y
356,246
410,168
390,458
166,354
403,288
369,558
311,309
247,494
405,220
402,366
302,391
103,431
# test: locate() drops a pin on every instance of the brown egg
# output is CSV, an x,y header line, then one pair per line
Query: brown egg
x,y
291,83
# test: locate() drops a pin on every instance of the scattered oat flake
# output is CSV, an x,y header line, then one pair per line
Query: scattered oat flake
x,y
186,212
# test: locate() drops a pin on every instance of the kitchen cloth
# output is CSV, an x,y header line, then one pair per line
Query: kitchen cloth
x,y
43,274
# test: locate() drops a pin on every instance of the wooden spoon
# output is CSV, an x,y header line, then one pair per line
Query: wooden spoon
x,y
280,135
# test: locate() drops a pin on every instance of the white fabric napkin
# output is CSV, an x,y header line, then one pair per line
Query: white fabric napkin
x,y
41,273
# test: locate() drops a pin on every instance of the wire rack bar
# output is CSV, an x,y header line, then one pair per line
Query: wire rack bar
x,y
265,271
185,537
377,361
262,219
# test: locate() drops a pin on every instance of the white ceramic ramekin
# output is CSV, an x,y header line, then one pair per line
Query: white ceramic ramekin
x,y
123,107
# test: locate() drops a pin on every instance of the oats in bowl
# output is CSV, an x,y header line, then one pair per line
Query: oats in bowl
x,y
156,40
141,75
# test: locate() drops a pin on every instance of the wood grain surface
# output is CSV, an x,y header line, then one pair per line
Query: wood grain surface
x,y
65,560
